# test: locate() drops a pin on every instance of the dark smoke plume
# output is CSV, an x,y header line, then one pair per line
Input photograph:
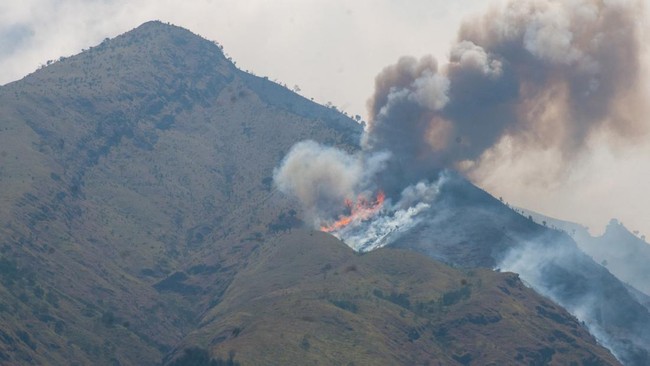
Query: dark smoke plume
x,y
541,73
534,75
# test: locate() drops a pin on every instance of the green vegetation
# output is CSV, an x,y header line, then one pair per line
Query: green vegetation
x,y
284,222
306,296
136,180
401,299
454,296
200,357
346,305
8,271
139,218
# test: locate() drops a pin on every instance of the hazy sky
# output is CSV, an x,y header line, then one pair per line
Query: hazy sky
x,y
332,49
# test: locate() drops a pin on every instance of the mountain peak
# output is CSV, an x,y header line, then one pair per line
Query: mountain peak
x,y
152,53
171,35
138,205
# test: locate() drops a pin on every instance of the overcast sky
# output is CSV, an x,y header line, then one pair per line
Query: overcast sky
x,y
332,49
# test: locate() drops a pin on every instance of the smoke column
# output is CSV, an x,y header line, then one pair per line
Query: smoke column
x,y
532,78
532,75
322,178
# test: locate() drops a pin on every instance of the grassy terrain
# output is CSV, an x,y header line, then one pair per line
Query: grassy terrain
x,y
138,219
134,181
305,298
467,227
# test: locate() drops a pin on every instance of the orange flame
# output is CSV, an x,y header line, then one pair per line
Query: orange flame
x,y
360,210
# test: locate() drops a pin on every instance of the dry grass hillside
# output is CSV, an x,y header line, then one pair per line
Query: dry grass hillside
x,y
138,219
305,298
135,178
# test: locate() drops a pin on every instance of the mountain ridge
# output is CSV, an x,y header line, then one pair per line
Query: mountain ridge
x,y
467,227
305,297
112,193
137,188
622,252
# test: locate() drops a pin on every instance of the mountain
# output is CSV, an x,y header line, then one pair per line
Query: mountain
x,y
467,227
307,298
135,179
622,252
139,220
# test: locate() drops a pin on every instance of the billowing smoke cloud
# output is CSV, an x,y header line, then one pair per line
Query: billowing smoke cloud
x,y
559,271
534,74
323,177
539,74
544,75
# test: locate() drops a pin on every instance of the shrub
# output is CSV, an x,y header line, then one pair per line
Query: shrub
x,y
196,356
345,305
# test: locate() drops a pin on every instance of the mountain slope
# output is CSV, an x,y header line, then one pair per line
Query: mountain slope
x,y
137,205
135,178
625,254
306,298
467,227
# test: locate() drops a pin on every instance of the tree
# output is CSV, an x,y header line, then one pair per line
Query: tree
x,y
196,356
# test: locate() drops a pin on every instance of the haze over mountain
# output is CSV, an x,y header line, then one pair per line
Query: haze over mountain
x,y
139,219
528,77
466,227
626,254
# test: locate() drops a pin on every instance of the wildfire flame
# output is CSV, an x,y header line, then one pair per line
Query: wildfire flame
x,y
360,210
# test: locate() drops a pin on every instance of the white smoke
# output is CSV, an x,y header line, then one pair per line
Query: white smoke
x,y
323,177
393,220
533,76
535,262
